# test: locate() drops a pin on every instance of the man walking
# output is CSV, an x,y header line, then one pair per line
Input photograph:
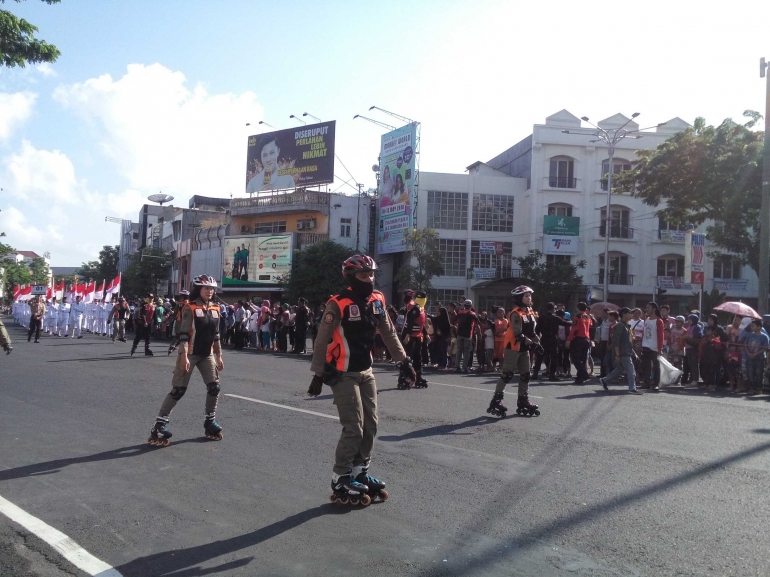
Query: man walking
x,y
580,343
624,352
300,327
467,326
119,314
143,316
37,312
652,345
77,311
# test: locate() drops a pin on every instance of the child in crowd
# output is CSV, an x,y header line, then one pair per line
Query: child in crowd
x,y
452,346
676,342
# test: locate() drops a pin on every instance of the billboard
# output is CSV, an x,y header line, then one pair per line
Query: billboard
x,y
290,158
256,260
560,234
397,190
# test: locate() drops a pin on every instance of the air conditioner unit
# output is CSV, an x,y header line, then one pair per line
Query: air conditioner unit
x,y
244,229
311,224
300,225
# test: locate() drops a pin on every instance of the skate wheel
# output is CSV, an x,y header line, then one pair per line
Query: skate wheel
x,y
537,413
354,500
518,411
383,495
166,442
366,500
332,498
150,441
344,500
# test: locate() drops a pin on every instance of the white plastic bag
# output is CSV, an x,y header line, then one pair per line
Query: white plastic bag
x,y
668,372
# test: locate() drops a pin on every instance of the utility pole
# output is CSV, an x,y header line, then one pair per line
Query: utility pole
x,y
764,214
358,216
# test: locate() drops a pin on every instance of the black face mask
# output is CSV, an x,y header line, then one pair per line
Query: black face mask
x,y
360,288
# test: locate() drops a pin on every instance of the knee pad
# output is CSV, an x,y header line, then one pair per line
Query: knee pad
x,y
524,377
177,393
506,376
213,388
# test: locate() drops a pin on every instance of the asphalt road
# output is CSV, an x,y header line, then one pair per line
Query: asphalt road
x,y
674,483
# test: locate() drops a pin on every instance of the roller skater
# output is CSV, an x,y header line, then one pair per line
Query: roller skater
x,y
414,334
375,487
343,360
520,339
199,346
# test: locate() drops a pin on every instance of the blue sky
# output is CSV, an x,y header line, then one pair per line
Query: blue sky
x,y
151,96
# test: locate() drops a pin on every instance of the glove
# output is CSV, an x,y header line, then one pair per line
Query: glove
x,y
407,372
315,386
7,349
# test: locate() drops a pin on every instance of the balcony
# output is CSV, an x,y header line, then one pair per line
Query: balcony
x,y
562,182
307,238
616,278
618,229
500,273
676,236
300,201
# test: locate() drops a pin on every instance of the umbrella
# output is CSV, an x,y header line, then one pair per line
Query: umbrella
x,y
738,309
597,308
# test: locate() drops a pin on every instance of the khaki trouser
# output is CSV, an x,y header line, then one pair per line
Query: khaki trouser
x,y
355,395
208,370
515,361
118,329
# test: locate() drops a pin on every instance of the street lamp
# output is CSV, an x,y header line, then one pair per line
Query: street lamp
x,y
298,119
311,116
764,213
377,122
610,137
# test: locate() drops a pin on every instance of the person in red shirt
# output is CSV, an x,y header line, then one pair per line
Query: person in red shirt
x,y
143,316
579,340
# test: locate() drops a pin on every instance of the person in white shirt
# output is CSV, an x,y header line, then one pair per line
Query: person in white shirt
x,y
268,178
77,312
63,317
253,325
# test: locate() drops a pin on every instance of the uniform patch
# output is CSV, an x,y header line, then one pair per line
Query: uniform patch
x,y
214,314
198,312
328,318
355,314
378,309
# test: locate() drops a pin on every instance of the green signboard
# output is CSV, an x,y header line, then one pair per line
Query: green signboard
x,y
561,225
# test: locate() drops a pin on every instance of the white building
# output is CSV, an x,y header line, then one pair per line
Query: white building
x,y
551,172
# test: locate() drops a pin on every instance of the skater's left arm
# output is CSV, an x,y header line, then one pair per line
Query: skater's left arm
x,y
390,338
217,347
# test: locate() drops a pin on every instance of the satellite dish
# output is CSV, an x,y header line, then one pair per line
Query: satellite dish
x,y
160,198
375,168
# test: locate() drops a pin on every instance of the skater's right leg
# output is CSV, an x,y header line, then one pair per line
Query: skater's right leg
x,y
354,418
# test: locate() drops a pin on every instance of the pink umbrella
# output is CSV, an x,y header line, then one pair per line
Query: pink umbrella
x,y
738,309
597,308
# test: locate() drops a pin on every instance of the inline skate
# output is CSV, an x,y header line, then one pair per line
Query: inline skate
x,y
346,490
524,407
420,383
160,436
496,407
376,486
212,429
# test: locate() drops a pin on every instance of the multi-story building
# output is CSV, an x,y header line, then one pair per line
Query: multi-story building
x,y
551,172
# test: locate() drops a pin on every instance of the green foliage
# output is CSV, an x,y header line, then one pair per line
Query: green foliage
x,y
106,268
18,45
15,274
316,274
707,173
39,270
145,271
551,282
422,245
711,300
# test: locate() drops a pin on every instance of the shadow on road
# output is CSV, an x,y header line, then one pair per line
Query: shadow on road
x,y
50,467
440,430
182,562
123,357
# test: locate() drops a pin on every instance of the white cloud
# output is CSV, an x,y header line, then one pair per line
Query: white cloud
x,y
42,174
163,135
45,69
15,108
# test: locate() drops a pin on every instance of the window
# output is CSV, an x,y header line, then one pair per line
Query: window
x,y
492,212
176,228
444,297
671,266
561,172
452,256
618,269
619,218
727,266
270,227
558,258
501,262
664,225
345,227
618,166
559,209
447,210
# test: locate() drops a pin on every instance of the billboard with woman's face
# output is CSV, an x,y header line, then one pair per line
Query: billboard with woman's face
x,y
397,191
286,159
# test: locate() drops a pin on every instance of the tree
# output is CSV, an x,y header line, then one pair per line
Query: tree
x,y
106,268
422,247
39,271
707,173
18,45
317,272
145,270
15,274
552,282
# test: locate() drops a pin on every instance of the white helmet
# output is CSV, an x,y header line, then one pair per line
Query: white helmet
x,y
521,290
204,280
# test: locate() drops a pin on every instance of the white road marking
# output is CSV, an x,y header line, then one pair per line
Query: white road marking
x,y
283,407
472,388
70,550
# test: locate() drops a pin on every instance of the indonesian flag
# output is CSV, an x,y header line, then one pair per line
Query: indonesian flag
x,y
88,293
48,293
16,292
26,293
59,290
100,291
114,287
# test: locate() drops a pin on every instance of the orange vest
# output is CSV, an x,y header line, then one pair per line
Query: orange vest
x,y
510,339
351,345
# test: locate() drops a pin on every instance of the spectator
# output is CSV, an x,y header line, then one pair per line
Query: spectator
x,y
757,343
691,369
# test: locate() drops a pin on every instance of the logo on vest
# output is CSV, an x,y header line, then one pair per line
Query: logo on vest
x,y
355,314
378,310
214,314
198,312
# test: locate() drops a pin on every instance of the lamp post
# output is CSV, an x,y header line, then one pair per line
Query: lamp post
x,y
764,213
610,137
298,119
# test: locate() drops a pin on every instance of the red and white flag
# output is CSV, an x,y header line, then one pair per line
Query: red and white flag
x,y
100,291
59,290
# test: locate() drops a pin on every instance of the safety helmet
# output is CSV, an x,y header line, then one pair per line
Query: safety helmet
x,y
521,290
204,280
409,293
358,263
184,293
